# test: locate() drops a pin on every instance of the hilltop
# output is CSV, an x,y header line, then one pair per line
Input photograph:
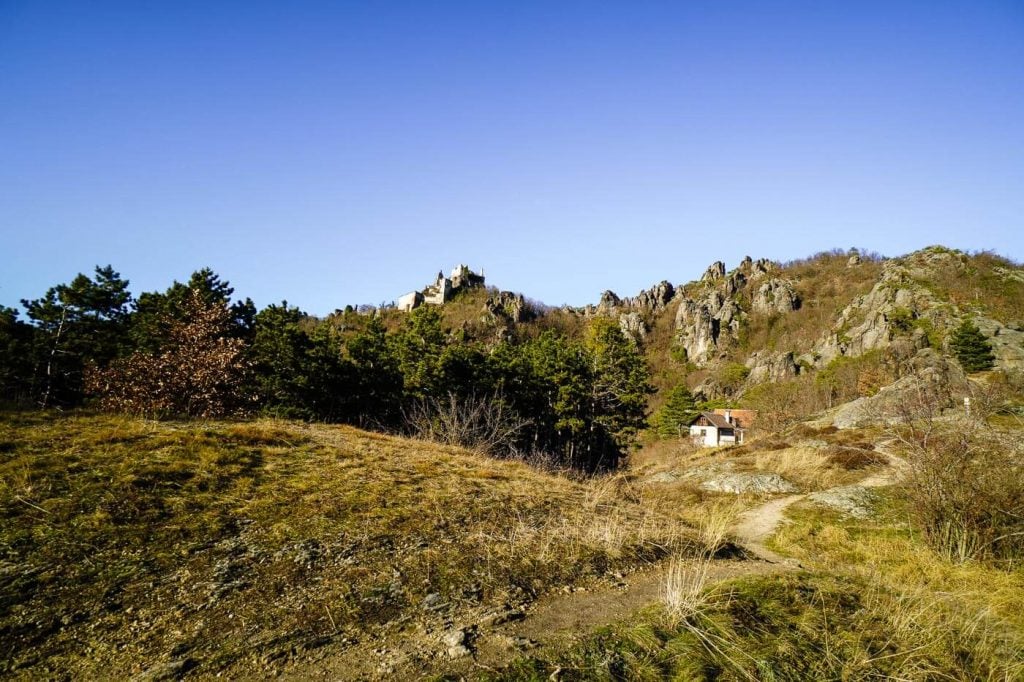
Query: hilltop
x,y
133,546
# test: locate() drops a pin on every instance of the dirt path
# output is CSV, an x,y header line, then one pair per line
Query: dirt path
x,y
756,525
555,622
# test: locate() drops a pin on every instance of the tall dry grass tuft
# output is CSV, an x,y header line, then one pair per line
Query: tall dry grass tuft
x,y
684,593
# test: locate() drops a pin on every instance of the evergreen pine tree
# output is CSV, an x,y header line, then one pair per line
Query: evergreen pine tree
x,y
971,347
676,414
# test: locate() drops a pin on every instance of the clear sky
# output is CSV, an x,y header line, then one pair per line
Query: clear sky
x,y
333,153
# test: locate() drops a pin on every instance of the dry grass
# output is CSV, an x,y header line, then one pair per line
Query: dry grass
x,y
921,591
809,468
229,542
685,595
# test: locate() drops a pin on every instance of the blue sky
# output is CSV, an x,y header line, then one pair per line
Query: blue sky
x,y
334,153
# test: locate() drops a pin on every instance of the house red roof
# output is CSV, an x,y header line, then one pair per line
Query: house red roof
x,y
740,418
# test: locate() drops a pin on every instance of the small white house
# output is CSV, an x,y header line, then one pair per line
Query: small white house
x,y
711,429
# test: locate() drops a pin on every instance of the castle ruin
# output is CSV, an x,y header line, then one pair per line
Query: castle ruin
x,y
442,289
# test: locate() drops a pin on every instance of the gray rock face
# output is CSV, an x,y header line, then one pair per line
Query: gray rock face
x,y
715,272
873,321
739,483
760,268
1007,343
706,324
507,305
632,325
609,301
768,366
933,376
652,300
775,296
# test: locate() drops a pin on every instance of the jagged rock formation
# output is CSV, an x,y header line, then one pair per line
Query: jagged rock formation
x,y
653,300
775,296
707,325
768,366
890,310
633,326
609,301
507,306
715,272
710,324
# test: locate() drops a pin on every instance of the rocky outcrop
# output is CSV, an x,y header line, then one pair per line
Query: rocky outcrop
x,y
775,296
715,272
653,300
709,324
507,306
705,326
768,366
932,382
633,326
609,301
885,314
1007,343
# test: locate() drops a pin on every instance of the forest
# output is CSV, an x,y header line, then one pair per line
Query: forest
x,y
557,396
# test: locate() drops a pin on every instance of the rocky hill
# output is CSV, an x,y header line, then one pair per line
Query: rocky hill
x,y
732,329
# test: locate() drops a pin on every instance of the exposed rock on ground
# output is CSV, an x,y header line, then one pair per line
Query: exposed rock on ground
x,y
852,500
933,378
739,483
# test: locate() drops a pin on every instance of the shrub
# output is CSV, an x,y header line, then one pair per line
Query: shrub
x,y
857,456
198,372
965,484
482,423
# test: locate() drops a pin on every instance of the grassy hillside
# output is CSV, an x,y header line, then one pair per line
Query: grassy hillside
x,y
873,601
129,545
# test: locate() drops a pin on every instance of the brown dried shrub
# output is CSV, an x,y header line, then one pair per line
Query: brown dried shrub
x,y
198,372
852,458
